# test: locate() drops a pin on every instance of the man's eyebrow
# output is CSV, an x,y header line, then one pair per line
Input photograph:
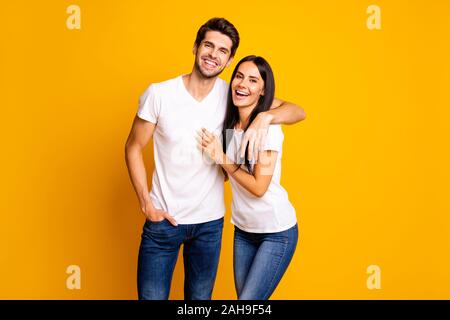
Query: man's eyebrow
x,y
221,48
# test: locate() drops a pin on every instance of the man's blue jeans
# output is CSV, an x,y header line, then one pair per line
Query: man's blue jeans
x,y
260,260
158,253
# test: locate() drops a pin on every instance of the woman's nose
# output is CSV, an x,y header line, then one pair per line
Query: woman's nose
x,y
241,85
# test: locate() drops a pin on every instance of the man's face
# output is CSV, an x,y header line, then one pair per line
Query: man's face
x,y
213,54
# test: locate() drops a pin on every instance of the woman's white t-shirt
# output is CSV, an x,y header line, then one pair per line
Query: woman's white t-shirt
x,y
272,212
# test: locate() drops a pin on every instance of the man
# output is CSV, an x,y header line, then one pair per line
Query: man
x,y
185,205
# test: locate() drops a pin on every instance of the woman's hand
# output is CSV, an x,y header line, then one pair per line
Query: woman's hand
x,y
210,145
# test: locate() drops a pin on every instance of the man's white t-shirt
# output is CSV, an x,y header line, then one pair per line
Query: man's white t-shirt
x,y
185,183
272,212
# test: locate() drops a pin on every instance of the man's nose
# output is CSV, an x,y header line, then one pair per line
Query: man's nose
x,y
213,53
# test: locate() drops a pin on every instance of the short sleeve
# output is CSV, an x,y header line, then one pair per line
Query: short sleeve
x,y
149,106
274,138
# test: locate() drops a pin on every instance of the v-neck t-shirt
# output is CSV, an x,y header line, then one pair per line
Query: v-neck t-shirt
x,y
185,182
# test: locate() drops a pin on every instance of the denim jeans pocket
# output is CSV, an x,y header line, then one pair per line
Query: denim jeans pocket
x,y
160,228
148,222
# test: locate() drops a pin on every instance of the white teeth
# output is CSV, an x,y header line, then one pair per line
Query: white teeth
x,y
241,93
210,63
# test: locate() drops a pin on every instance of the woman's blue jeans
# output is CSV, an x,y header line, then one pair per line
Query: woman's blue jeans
x,y
260,260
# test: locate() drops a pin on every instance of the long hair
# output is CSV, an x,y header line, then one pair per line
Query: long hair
x,y
264,103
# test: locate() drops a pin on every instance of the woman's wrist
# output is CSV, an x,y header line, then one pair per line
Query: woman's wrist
x,y
222,159
227,165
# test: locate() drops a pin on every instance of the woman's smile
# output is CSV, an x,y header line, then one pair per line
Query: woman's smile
x,y
247,85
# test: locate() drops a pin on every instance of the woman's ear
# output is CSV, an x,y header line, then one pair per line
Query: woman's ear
x,y
262,92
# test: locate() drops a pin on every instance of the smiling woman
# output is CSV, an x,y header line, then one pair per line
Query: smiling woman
x,y
247,88
265,221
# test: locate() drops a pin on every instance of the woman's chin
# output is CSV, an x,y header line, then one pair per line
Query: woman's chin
x,y
241,104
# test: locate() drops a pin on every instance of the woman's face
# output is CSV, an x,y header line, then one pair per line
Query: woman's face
x,y
247,85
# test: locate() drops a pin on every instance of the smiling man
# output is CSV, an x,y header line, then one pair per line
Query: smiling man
x,y
186,201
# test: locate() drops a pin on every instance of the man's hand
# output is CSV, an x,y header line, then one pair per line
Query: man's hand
x,y
255,135
157,215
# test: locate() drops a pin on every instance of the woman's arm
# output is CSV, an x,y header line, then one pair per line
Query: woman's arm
x,y
256,183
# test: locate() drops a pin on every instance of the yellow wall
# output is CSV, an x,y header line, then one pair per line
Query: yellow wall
x,y
368,171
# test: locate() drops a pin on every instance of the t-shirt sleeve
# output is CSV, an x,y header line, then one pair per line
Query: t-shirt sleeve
x,y
274,138
149,106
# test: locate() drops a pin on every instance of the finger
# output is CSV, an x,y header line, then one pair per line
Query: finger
x,y
244,145
202,142
158,216
251,143
263,141
205,132
171,219
200,134
207,139
201,147
256,146
250,148
208,134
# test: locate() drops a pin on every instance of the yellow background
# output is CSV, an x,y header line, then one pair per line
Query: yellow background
x,y
368,171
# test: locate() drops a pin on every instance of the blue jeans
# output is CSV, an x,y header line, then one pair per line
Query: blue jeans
x,y
158,253
260,260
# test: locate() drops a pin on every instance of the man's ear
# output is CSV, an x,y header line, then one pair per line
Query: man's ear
x,y
194,49
230,60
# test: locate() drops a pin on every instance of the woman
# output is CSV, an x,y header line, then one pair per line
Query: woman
x,y
265,222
